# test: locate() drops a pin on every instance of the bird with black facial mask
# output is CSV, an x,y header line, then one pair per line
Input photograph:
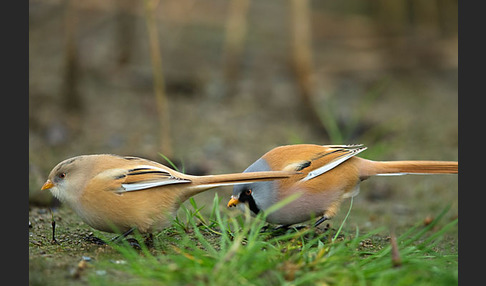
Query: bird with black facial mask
x,y
323,177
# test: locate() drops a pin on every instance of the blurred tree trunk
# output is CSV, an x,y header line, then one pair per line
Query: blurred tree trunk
x,y
447,17
393,17
426,17
302,59
69,90
234,39
125,30
162,103
404,25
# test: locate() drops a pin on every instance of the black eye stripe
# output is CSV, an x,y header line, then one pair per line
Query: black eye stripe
x,y
245,196
253,206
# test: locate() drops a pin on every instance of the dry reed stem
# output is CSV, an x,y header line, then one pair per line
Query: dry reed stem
x,y
161,100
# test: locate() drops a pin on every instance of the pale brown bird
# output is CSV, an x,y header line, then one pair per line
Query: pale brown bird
x,y
109,191
325,175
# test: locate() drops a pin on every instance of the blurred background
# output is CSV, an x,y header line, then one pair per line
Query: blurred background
x,y
215,84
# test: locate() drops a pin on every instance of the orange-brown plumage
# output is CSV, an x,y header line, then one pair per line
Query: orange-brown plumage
x,y
111,192
325,176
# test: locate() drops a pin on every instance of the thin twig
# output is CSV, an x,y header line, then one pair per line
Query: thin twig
x,y
53,224
235,33
161,100
395,254
302,58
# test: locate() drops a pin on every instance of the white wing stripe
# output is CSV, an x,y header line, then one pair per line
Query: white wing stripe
x,y
148,185
332,165
344,146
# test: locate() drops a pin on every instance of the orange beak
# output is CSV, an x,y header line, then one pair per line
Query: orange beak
x,y
47,185
233,202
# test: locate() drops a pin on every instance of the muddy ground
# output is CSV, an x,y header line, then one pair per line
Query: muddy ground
x,y
398,97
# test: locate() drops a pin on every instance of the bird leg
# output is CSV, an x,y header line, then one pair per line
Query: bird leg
x,y
123,235
321,220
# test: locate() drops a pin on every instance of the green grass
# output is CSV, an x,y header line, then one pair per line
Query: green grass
x,y
232,250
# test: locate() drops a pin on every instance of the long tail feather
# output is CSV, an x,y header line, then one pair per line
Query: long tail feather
x,y
241,178
377,168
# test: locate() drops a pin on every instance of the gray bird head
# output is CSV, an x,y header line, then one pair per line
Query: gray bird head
x,y
256,196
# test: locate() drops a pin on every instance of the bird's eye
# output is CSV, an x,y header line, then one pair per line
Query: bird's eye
x,y
248,192
61,175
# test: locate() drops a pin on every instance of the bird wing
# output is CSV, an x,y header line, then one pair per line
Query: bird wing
x,y
145,177
330,158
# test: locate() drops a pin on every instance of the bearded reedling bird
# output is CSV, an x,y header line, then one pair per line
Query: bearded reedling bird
x,y
325,175
109,191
